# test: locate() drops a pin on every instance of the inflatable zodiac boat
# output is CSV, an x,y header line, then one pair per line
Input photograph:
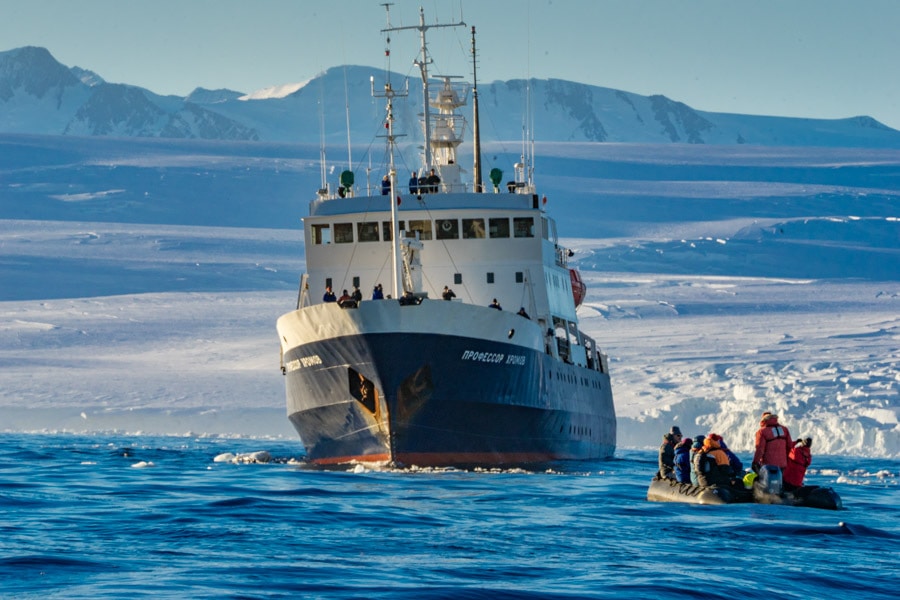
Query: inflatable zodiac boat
x,y
766,489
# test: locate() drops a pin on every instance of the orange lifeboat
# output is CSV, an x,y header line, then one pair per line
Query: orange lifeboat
x,y
579,290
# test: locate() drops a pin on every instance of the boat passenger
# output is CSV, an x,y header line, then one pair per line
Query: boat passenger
x,y
799,459
773,443
329,295
423,185
385,186
377,293
696,447
414,184
712,465
667,457
736,465
356,295
683,460
407,299
522,313
495,304
448,294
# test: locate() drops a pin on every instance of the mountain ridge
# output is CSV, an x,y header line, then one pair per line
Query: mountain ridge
x,y
39,95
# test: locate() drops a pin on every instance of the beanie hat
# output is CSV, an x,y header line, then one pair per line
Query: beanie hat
x,y
675,430
808,442
697,444
669,437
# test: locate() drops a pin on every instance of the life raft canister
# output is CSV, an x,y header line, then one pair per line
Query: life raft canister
x,y
579,290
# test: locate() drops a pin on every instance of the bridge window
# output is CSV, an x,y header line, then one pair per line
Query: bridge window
x,y
321,234
343,233
523,227
386,228
367,232
499,228
473,228
447,229
423,227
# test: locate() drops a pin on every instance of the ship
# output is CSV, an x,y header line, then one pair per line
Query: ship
x,y
465,349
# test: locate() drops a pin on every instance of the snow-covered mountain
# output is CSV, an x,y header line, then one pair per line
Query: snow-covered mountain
x,y
39,95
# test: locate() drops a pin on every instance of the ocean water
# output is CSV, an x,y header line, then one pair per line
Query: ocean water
x,y
139,517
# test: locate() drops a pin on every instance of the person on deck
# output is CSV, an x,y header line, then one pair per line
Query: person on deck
x,y
773,443
712,465
414,184
344,299
799,459
667,457
522,313
329,296
433,182
377,293
683,460
385,186
356,295
448,294
495,304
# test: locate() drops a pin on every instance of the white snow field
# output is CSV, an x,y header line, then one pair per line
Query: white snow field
x,y
140,282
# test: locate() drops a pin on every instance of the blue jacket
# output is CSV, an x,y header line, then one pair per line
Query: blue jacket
x,y
683,463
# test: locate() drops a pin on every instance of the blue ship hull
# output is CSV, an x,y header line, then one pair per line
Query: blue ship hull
x,y
428,399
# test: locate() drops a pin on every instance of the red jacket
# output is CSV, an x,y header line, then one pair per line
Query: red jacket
x,y
798,460
773,443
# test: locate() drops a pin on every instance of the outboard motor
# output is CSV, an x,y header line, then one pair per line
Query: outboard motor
x,y
770,480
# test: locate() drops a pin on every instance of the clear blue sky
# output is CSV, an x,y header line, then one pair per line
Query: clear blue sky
x,y
806,58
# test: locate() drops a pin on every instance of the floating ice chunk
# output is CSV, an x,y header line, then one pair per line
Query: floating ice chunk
x,y
142,464
260,456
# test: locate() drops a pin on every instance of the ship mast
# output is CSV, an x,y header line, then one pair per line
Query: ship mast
x,y
476,134
390,94
423,63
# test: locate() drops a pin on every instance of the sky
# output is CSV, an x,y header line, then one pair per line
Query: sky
x,y
800,58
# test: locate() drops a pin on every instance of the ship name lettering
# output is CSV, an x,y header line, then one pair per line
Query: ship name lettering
x,y
309,361
486,357
515,359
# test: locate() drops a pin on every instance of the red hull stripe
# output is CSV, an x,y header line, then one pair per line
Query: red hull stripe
x,y
338,460
424,459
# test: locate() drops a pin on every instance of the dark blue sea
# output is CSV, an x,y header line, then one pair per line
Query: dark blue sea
x,y
159,517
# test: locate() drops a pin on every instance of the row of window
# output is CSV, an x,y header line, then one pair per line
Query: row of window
x,y
440,229
457,279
